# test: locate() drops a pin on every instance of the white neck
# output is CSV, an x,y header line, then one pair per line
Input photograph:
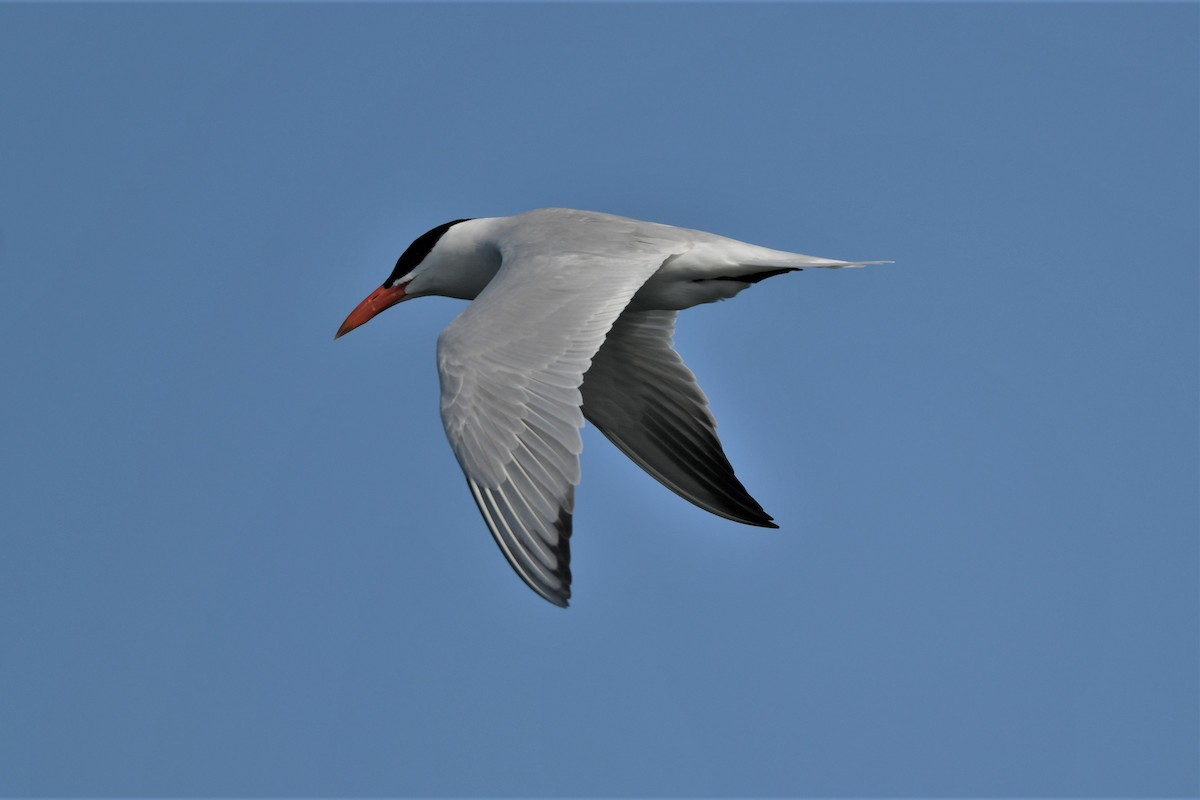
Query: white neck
x,y
462,262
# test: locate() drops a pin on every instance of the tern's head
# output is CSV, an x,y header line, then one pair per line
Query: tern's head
x,y
410,278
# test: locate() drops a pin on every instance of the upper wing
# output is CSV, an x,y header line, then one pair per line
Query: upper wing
x,y
511,366
642,396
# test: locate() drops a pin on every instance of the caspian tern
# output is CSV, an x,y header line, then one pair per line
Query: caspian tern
x,y
573,317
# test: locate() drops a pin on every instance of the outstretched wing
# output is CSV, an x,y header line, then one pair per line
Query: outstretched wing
x,y
642,396
511,366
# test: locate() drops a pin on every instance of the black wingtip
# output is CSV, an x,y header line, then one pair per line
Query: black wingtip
x,y
556,597
763,521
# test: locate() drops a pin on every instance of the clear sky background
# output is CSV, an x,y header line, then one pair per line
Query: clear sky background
x,y
238,557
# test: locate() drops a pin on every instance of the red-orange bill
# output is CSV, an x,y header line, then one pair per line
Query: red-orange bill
x,y
382,298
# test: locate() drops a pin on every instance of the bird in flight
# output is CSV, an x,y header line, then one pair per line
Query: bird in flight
x,y
572,317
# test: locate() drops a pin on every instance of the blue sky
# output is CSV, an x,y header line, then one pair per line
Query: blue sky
x,y
238,557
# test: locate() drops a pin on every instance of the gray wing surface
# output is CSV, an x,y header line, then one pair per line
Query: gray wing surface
x,y
642,396
511,366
